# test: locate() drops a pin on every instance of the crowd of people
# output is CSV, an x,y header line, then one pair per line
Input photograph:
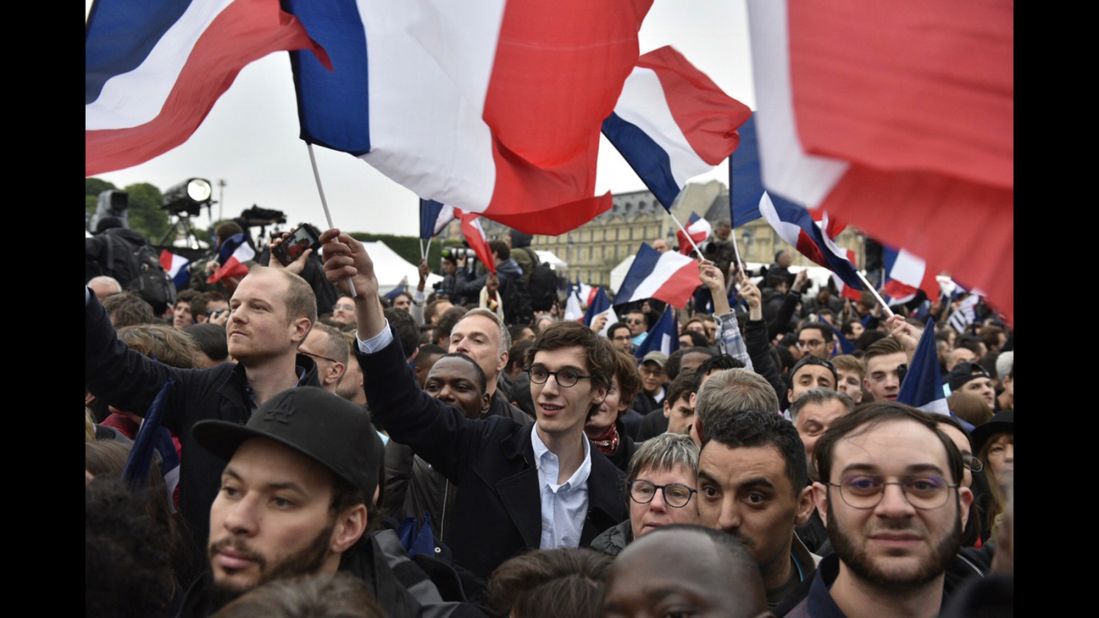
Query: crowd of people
x,y
322,449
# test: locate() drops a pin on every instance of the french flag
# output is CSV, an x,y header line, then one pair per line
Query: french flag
x,y
597,306
153,70
699,230
152,438
176,267
923,384
476,238
668,276
662,337
672,122
232,256
434,217
905,274
494,106
574,310
898,117
796,226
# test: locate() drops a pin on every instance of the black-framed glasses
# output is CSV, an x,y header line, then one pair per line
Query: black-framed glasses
x,y
864,491
676,495
566,376
972,462
318,356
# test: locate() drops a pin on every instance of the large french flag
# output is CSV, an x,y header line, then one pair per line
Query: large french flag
x,y
668,276
899,117
905,274
493,106
672,122
434,217
234,252
176,267
699,230
153,70
475,236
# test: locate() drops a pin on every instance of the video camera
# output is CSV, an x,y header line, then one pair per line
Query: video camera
x,y
261,217
454,253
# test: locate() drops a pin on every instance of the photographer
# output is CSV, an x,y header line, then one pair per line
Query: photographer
x,y
460,283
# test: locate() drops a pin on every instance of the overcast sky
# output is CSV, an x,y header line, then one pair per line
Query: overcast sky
x,y
250,138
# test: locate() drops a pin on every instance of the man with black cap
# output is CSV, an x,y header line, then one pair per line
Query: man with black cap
x,y
296,498
972,378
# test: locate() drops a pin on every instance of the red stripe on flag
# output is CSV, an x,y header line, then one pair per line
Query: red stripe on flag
x,y
475,237
693,98
679,288
558,72
166,260
245,31
907,86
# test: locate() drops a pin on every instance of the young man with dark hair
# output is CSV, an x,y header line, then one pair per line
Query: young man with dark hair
x,y
523,487
752,484
816,338
811,372
883,360
891,496
619,335
297,496
182,316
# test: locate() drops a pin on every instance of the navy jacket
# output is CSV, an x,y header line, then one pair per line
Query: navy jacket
x,y
498,511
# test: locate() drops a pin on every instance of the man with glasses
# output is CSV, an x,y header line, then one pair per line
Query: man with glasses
x,y
816,339
328,348
620,337
662,482
635,320
343,312
539,486
891,496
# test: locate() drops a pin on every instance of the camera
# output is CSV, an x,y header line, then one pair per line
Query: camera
x,y
454,253
303,237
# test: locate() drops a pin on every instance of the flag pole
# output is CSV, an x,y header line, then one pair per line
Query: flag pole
x,y
682,229
428,249
423,253
324,203
888,311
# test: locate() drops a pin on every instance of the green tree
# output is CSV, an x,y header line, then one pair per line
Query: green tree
x,y
145,212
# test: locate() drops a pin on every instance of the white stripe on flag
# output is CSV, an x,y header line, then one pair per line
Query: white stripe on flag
x,y
446,49
644,105
787,168
117,108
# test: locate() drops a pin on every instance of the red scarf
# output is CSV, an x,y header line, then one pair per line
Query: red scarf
x,y
606,442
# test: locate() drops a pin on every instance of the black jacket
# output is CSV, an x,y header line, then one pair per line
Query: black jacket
x,y
614,540
498,510
130,380
759,350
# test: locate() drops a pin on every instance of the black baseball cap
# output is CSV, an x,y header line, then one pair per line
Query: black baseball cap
x,y
964,372
324,427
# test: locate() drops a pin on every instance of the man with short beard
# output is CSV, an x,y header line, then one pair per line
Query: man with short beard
x,y
296,498
892,499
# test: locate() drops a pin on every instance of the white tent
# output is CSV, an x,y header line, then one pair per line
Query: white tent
x,y
390,268
548,257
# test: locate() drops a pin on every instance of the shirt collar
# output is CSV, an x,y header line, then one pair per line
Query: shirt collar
x,y
542,455
251,394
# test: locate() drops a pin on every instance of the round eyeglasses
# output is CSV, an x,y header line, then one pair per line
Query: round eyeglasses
x,y
863,491
566,377
675,494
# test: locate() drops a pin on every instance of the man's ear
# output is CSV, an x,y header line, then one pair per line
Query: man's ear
x,y
301,327
820,498
502,362
667,408
350,526
965,501
805,506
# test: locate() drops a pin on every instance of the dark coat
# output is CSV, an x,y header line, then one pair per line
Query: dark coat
x,y
130,380
498,511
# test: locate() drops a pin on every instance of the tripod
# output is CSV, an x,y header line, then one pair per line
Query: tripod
x,y
181,224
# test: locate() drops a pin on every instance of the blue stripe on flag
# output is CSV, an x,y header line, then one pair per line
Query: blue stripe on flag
x,y
429,214
645,156
136,471
643,265
325,117
923,384
120,35
745,180
598,305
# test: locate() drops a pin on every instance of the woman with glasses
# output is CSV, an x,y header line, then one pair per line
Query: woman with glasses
x,y
662,484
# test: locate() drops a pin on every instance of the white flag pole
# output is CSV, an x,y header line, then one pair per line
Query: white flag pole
x,y
324,204
888,311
